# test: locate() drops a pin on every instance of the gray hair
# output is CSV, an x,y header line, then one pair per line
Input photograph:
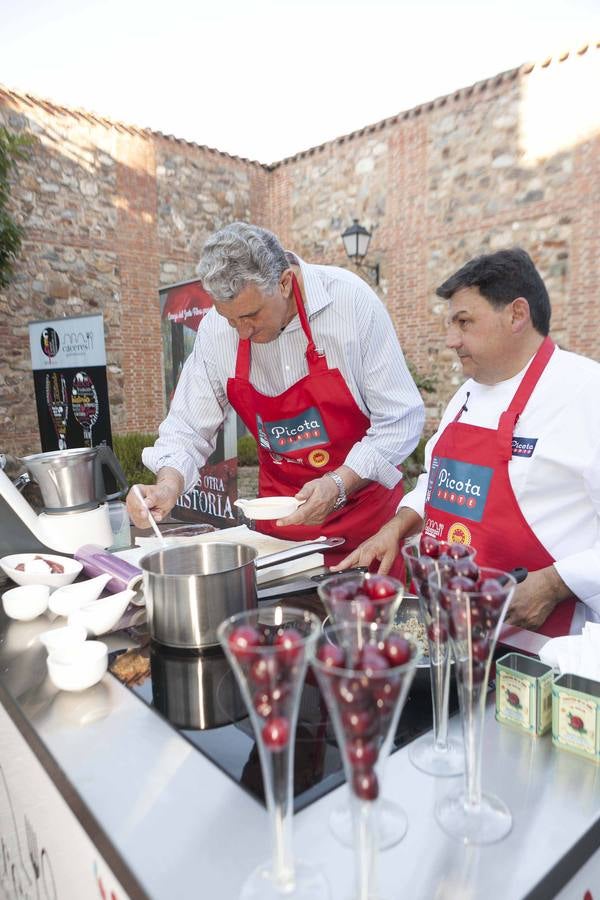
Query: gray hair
x,y
238,255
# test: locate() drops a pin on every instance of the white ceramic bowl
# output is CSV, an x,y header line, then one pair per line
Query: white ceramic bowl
x,y
78,667
26,602
62,638
102,615
70,597
72,568
264,508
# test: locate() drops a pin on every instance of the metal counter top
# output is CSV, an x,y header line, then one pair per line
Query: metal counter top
x,y
173,826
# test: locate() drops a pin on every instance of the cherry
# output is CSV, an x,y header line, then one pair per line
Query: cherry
x,y
289,646
445,598
264,671
477,672
466,568
385,693
362,754
359,722
422,568
459,551
276,733
363,609
263,704
373,660
378,587
365,785
352,693
397,650
242,642
430,546
437,632
480,649
446,565
493,594
331,656
459,583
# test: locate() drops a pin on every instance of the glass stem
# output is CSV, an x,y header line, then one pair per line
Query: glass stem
x,y
280,805
366,838
473,709
440,689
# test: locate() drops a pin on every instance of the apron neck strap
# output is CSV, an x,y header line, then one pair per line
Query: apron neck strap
x,y
316,361
510,417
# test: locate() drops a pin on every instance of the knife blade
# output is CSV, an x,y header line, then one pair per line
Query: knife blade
x,y
304,585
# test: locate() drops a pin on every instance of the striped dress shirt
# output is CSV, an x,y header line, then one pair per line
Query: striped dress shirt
x,y
352,327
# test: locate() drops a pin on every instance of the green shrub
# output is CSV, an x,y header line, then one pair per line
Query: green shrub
x,y
246,451
128,450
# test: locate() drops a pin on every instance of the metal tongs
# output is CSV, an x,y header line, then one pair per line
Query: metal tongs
x,y
300,550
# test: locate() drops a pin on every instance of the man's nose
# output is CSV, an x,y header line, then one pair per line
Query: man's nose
x,y
244,329
453,337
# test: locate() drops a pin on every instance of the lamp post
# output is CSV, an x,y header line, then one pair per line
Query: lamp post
x,y
356,240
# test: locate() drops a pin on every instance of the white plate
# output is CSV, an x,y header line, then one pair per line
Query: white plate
x,y
72,568
264,508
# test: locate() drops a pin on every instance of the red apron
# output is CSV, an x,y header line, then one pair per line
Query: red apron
x,y
303,433
470,498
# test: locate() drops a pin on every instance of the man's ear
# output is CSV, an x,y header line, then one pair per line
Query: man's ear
x,y
286,283
520,315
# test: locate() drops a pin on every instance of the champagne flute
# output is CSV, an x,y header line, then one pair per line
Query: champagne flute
x,y
473,612
436,754
365,685
268,650
353,600
57,401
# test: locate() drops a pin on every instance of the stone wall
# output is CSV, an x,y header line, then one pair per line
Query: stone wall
x,y
112,213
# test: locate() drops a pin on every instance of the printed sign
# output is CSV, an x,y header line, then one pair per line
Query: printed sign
x,y
68,358
458,488
289,435
183,308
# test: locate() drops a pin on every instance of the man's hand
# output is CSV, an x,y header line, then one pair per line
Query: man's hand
x,y
160,497
320,495
384,545
536,597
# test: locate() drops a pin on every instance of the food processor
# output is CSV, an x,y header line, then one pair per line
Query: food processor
x,y
75,501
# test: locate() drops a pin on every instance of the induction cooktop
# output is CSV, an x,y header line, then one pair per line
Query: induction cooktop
x,y
198,695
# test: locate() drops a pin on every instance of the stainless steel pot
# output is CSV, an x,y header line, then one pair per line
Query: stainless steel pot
x,y
190,589
74,479
195,691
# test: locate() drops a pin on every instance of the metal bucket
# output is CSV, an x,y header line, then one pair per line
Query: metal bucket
x,y
190,589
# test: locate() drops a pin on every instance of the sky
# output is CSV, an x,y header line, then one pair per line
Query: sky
x,y
265,79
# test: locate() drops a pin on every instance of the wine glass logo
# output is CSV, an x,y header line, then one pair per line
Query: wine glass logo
x,y
84,401
57,401
50,342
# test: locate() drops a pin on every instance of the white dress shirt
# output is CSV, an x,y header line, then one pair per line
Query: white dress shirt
x,y
351,325
558,486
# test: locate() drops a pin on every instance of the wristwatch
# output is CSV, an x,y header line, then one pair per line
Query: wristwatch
x,y
341,498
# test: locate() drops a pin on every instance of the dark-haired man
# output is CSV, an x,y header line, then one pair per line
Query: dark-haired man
x,y
514,467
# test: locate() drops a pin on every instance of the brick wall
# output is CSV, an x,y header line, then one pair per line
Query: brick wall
x,y
112,213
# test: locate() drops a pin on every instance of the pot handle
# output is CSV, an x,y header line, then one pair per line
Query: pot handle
x,y
105,458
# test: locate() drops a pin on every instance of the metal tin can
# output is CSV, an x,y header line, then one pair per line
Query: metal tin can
x,y
576,715
524,693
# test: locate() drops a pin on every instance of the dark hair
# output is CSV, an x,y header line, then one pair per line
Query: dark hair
x,y
502,277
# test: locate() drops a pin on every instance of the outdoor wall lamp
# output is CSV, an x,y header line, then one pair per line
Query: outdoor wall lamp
x,y
356,240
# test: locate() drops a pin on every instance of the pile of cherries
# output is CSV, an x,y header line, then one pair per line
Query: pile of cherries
x,y
365,700
469,604
368,597
269,658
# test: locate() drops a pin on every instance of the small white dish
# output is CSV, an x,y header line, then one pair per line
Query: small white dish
x,y
62,638
102,615
71,567
26,602
78,667
67,599
264,508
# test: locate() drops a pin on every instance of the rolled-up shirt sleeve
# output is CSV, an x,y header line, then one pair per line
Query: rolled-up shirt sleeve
x,y
396,410
187,436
